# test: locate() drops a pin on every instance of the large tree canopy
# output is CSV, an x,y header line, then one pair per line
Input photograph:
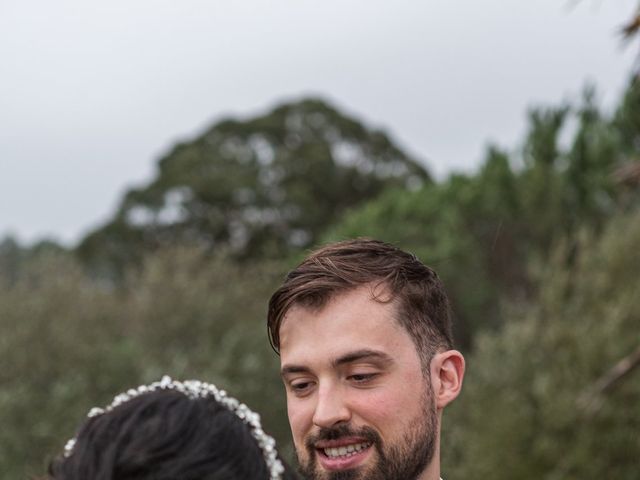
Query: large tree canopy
x,y
256,187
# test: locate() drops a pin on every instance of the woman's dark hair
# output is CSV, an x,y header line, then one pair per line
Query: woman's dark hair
x,y
164,435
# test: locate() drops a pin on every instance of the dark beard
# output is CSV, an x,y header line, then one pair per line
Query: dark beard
x,y
404,461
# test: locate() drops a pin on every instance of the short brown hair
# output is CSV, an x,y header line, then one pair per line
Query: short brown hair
x,y
422,304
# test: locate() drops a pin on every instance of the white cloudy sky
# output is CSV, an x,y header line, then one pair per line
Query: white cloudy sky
x,y
92,93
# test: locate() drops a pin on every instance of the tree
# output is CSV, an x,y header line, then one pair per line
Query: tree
x,y
523,412
15,258
260,187
627,124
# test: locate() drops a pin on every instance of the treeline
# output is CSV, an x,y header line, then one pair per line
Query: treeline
x,y
538,248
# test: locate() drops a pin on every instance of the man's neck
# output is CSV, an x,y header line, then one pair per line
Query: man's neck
x,y
432,472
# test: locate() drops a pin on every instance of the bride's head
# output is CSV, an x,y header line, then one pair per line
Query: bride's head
x,y
175,430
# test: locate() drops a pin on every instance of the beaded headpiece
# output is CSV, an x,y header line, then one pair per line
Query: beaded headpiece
x,y
195,389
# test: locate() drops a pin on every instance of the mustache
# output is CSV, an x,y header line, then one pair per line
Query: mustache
x,y
340,431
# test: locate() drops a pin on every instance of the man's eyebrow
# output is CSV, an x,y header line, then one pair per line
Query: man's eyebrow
x,y
350,357
364,354
288,369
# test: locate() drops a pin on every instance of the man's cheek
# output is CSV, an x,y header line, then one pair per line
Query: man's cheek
x,y
300,420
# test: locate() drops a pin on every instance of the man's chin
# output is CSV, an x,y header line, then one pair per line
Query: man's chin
x,y
357,473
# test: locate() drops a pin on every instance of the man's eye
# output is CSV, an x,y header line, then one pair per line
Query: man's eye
x,y
362,377
300,387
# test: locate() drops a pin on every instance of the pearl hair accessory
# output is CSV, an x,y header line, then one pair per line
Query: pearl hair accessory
x,y
195,389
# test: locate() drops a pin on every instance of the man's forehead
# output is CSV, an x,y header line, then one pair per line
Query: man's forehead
x,y
369,295
352,321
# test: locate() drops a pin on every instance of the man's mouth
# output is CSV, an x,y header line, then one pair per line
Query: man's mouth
x,y
345,451
342,448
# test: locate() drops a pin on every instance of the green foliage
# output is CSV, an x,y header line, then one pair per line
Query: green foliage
x,y
627,126
523,412
68,343
627,119
11,258
14,258
260,187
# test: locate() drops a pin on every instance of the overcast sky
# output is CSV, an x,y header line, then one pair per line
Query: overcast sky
x,y
92,93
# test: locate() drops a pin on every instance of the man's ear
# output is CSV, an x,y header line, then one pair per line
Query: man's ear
x,y
447,372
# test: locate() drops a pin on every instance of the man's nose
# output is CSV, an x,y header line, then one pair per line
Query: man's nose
x,y
331,408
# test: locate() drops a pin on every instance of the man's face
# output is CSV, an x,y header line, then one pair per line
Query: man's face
x,y
359,405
